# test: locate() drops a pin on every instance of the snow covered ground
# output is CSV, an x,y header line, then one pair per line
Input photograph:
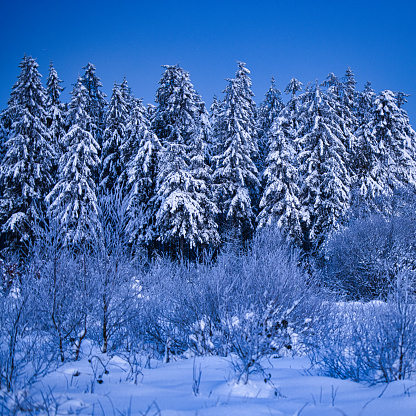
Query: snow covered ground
x,y
166,389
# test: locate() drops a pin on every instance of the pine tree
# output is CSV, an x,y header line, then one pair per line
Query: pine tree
x,y
138,127
365,102
96,101
56,110
280,203
127,95
384,155
73,200
293,87
215,111
5,124
136,119
27,164
113,139
324,177
288,122
341,97
268,112
365,184
395,140
4,132
334,85
236,180
184,208
151,112
140,156
349,98
6,120
401,98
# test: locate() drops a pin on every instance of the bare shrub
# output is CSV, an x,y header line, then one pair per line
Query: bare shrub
x,y
364,259
25,352
372,342
272,304
248,304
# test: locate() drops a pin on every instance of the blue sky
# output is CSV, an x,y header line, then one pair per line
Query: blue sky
x,y
305,39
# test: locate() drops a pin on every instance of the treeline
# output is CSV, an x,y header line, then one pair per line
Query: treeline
x,y
192,180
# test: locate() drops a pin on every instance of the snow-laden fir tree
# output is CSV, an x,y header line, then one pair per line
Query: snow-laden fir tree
x,y
366,185
27,165
280,203
206,136
6,120
288,122
365,102
214,112
73,200
341,94
56,110
293,87
140,155
136,118
127,95
385,151
267,113
236,181
341,97
401,98
364,153
130,103
112,165
323,174
96,103
184,210
138,126
334,86
151,112
5,125
4,132
349,99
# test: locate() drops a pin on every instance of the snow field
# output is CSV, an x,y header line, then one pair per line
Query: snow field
x,y
166,389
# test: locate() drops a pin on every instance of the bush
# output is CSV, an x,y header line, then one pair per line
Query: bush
x,y
272,305
363,260
372,342
25,351
248,304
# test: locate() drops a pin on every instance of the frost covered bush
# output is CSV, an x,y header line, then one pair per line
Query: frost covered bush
x,y
113,275
372,342
25,351
272,305
161,324
363,260
247,303
63,288
255,334
179,309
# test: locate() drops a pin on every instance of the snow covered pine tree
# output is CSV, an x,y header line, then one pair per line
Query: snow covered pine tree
x,y
113,138
26,169
73,200
184,209
280,203
236,181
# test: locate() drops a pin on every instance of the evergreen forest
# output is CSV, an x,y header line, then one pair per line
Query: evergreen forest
x,y
152,228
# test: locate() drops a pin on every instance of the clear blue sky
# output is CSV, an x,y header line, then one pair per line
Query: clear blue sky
x,y
305,39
